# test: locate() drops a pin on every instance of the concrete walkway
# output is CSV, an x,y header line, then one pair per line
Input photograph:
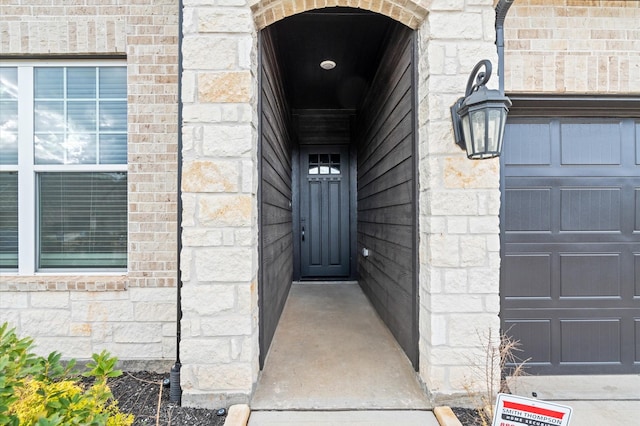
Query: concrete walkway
x,y
333,362
332,352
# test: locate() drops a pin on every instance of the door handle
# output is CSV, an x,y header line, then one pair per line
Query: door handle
x,y
303,233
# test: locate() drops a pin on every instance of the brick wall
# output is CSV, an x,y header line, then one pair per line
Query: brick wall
x,y
132,315
573,46
410,13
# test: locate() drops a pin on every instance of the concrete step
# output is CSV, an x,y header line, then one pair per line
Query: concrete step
x,y
339,418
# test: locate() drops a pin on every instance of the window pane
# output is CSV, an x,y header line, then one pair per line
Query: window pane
x,y
75,148
49,116
113,149
8,132
81,83
49,149
82,220
81,117
9,83
80,148
113,116
48,83
113,82
9,220
9,115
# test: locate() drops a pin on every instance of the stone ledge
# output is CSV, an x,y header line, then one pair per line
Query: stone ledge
x,y
64,283
238,415
446,417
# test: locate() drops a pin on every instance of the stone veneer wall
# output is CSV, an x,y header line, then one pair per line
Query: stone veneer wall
x,y
573,46
132,315
459,203
219,347
459,199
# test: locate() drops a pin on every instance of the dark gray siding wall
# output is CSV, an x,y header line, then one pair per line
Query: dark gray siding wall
x,y
323,127
386,193
276,241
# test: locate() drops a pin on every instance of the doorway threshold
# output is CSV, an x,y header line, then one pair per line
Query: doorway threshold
x,y
323,281
331,351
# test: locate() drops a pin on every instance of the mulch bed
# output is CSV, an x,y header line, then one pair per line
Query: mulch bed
x,y
467,416
138,393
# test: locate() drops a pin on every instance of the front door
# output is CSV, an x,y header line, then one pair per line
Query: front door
x,y
324,212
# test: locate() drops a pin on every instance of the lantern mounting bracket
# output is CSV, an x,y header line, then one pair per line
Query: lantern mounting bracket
x,y
482,78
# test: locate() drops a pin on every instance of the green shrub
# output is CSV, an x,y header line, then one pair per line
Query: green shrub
x,y
41,391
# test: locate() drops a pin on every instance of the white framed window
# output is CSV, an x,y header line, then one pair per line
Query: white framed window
x,y
63,166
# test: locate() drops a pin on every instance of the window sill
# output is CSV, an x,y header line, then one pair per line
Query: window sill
x,y
63,283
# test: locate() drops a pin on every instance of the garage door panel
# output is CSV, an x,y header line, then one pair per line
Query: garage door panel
x,y
637,137
590,275
528,209
590,341
590,209
636,324
532,271
531,146
590,143
636,210
636,273
534,337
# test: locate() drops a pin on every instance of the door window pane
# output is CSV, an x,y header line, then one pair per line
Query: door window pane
x,y
9,220
324,164
82,220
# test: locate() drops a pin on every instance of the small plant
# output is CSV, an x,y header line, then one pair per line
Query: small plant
x,y
41,391
500,362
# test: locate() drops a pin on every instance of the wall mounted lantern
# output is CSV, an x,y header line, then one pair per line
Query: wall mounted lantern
x,y
480,116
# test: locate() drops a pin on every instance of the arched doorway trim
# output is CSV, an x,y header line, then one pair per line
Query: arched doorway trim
x,y
409,12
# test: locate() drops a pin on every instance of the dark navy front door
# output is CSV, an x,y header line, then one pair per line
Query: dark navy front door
x,y
324,212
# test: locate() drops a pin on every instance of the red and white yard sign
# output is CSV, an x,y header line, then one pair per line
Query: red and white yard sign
x,y
514,410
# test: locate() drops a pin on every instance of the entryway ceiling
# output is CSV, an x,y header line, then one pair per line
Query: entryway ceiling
x,y
352,38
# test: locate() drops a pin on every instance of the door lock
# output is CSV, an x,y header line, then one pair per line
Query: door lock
x,y
303,233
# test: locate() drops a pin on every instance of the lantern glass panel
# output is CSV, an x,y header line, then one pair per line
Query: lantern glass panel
x,y
466,131
478,124
494,128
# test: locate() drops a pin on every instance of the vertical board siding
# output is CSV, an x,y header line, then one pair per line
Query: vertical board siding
x,y
386,188
276,239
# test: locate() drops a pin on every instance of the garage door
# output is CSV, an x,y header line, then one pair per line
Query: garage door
x,y
570,223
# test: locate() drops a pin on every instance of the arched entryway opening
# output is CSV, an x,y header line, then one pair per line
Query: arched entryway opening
x,y
338,164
